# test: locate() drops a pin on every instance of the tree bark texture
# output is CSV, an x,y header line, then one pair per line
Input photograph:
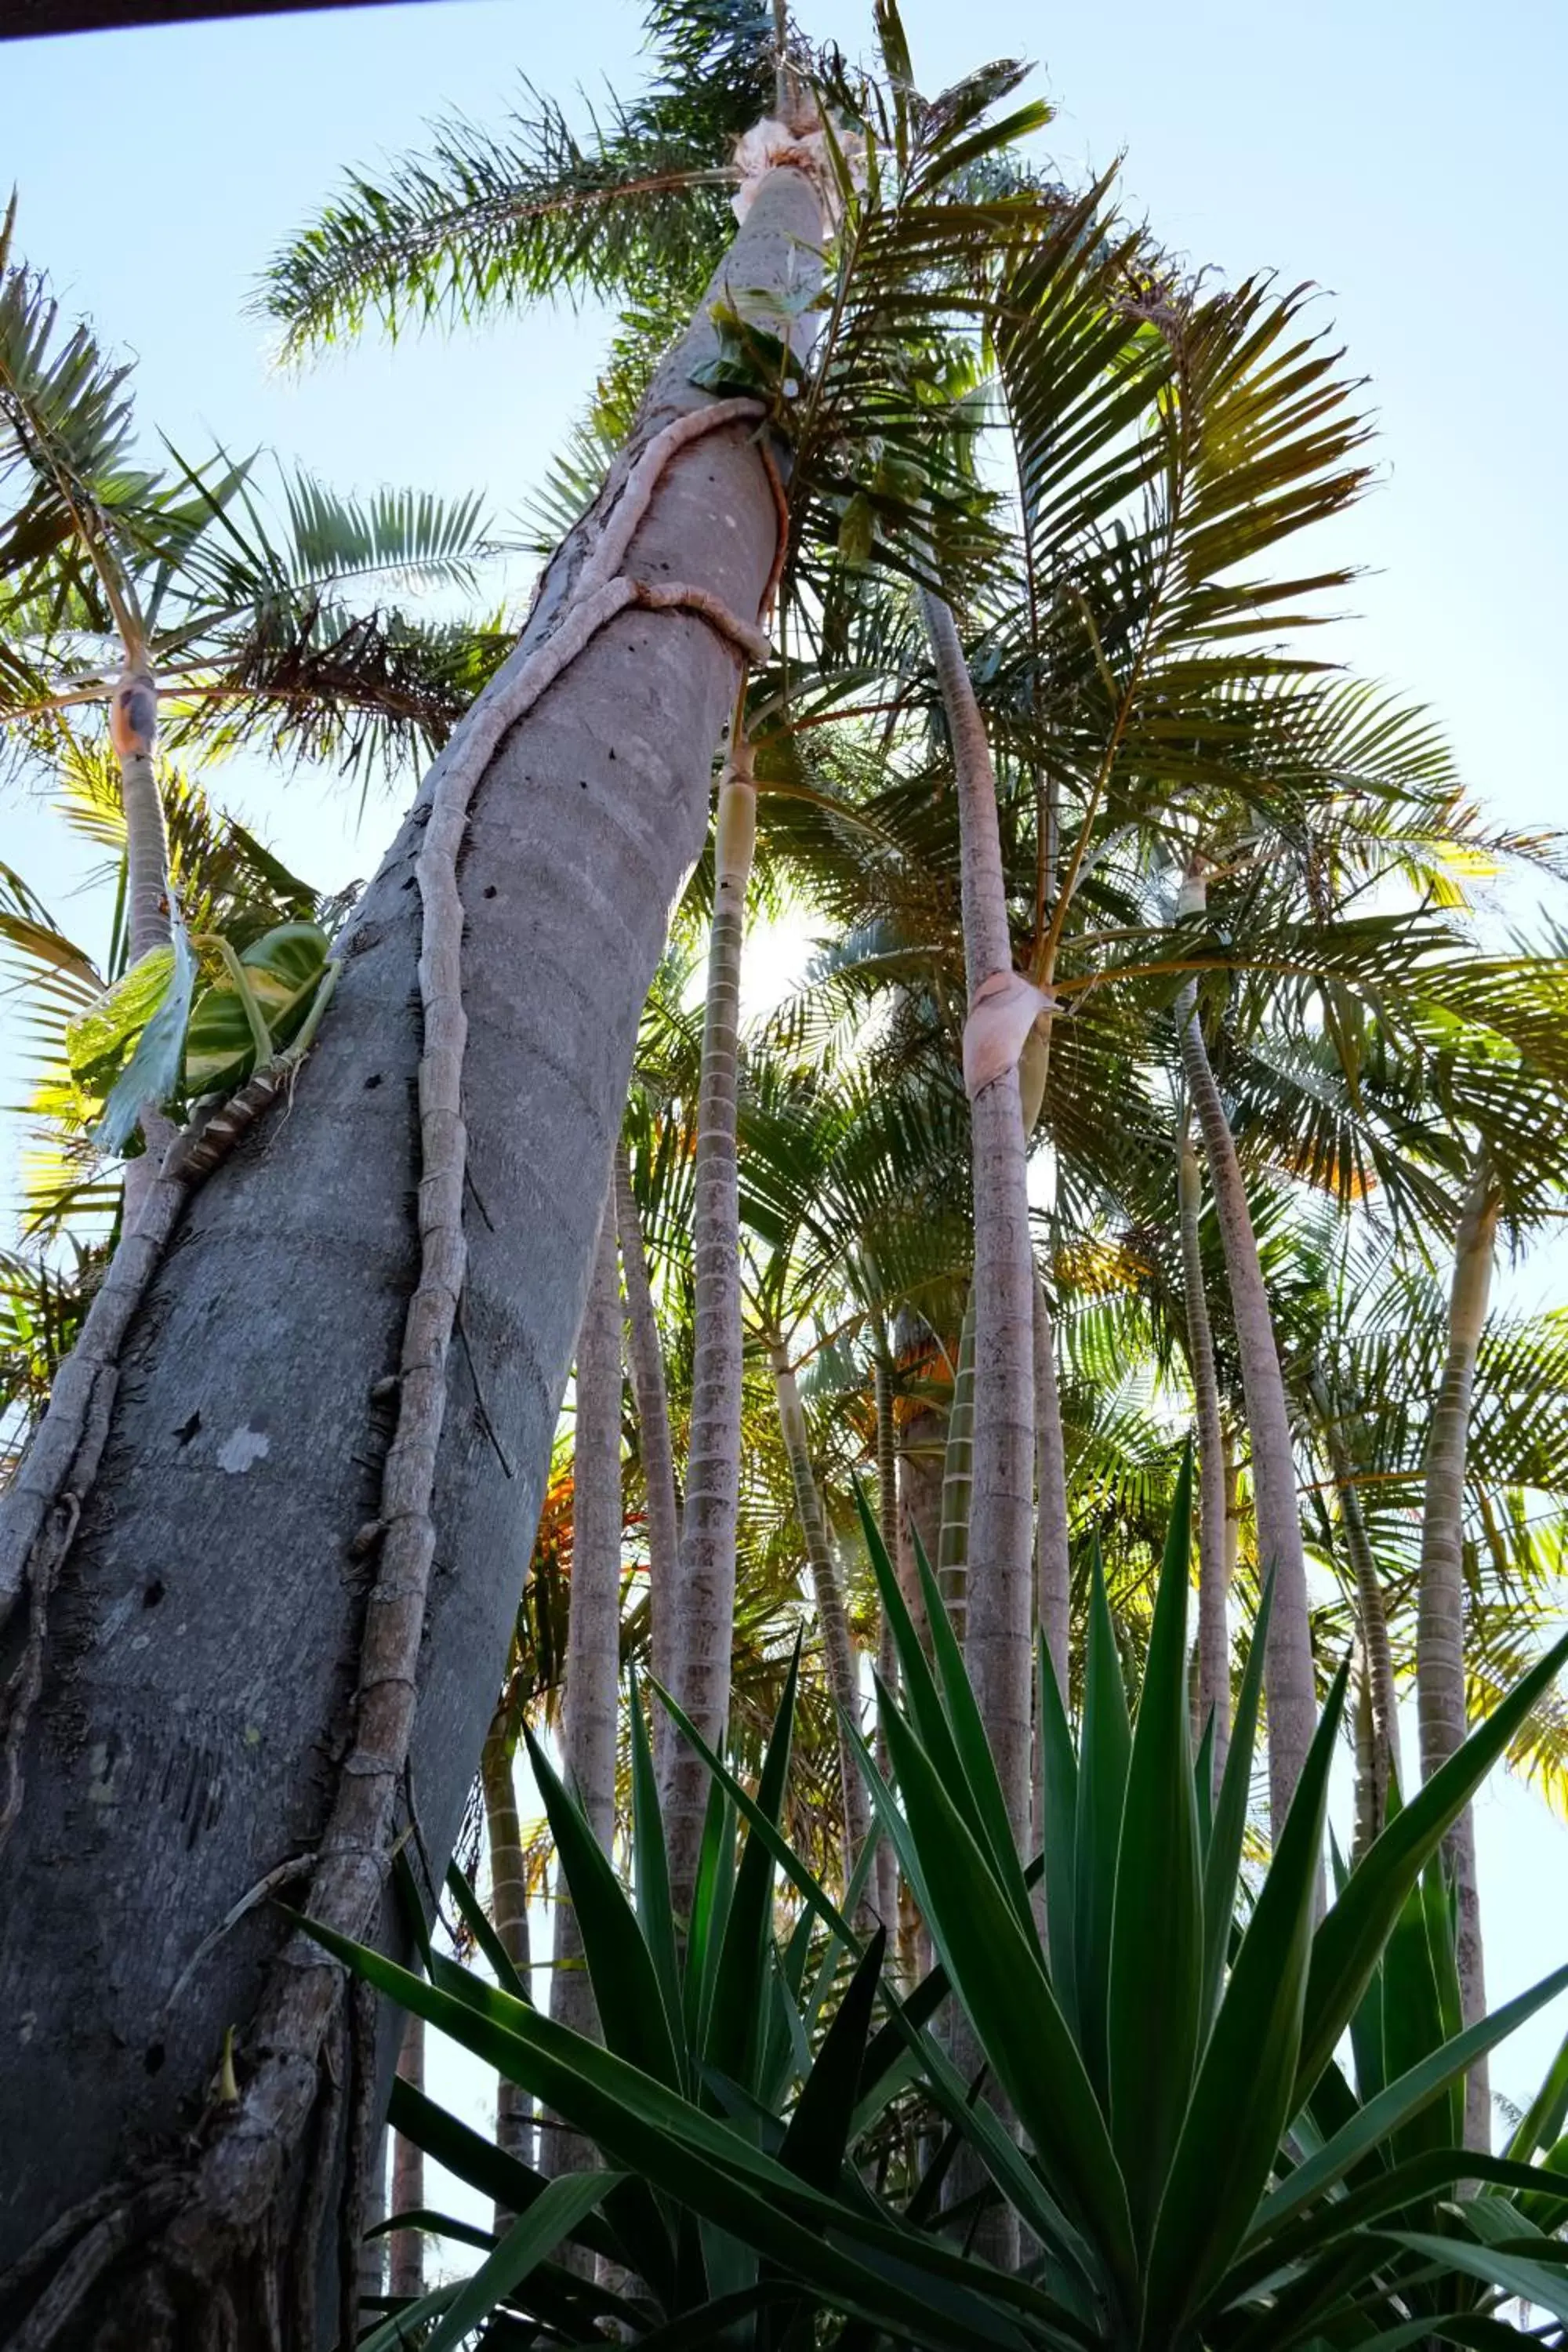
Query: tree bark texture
x,y
509,1916
406,2269
1288,1666
1213,1565
1441,1705
204,1637
644,1358
701,1645
837,1649
1000,1612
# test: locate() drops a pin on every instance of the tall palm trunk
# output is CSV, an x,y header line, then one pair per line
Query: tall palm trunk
x,y
1287,1664
1000,1610
509,1916
407,2275
593,1620
1371,1614
1214,1563
644,1358
185,1734
703,1637
1440,1625
838,1650
132,730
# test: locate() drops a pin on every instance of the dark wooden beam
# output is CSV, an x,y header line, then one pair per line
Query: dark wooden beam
x,y
22,20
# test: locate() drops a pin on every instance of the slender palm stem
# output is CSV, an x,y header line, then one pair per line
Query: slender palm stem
x,y
1440,1627
1053,1562
1288,1666
509,1916
645,1358
1372,1614
887,1868
1000,1612
958,1481
701,1646
838,1649
593,1624
1214,1580
406,2276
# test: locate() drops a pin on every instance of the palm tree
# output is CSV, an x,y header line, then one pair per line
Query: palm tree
x,y
583,872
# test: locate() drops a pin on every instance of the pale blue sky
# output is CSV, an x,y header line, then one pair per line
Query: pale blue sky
x,y
1406,157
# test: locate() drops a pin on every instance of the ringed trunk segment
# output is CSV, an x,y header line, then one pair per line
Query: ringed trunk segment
x,y
1441,1707
164,1776
1214,1560
644,1358
133,732
1382,1768
701,1643
838,1647
1287,1664
1003,1007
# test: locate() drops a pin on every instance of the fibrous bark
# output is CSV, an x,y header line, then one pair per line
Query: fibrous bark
x,y
1287,1664
198,1699
1440,1625
1214,1564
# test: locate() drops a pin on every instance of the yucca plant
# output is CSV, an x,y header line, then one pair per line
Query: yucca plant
x,y
1192,2164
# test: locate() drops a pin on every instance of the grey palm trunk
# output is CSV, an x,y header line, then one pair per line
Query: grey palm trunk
x,y
1214,1550
644,1361
207,1631
886,1868
1000,1610
837,1648
588,1708
1287,1664
1440,1622
958,1481
1052,1557
702,1638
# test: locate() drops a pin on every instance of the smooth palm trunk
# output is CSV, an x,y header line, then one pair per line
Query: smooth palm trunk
x,y
1287,1664
1052,1557
1440,1627
206,1634
593,1636
1381,1728
1214,1556
645,1360
509,1916
406,2272
837,1648
702,1639
1000,1608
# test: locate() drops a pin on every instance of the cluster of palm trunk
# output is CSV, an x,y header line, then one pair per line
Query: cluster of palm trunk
x,y
1038,777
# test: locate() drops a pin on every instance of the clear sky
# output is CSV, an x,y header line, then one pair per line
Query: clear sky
x,y
1403,155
